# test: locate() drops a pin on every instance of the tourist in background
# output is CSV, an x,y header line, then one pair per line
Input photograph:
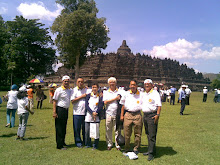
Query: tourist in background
x,y
30,93
11,106
172,94
78,101
182,99
110,98
188,93
61,103
51,94
218,92
93,105
205,93
131,115
39,96
23,112
151,107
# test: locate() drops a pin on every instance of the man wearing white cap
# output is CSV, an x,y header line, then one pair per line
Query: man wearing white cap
x,y
182,99
205,91
61,103
151,107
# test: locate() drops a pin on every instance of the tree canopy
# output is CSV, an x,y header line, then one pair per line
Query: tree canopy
x,y
79,31
28,49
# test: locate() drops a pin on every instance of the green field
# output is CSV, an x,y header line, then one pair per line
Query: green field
x,y
193,138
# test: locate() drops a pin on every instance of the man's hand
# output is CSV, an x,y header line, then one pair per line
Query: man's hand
x,y
179,101
55,115
122,118
156,118
118,97
94,114
32,112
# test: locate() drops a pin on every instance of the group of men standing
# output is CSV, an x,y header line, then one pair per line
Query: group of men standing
x,y
130,104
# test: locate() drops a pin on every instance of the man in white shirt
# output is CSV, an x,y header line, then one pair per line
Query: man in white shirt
x,y
188,93
110,98
205,91
131,114
61,103
151,107
78,100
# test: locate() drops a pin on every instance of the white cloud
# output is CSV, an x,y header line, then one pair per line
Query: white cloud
x,y
183,49
3,10
38,11
190,64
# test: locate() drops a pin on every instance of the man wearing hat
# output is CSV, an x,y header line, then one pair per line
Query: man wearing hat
x,y
151,107
182,99
30,93
61,103
205,91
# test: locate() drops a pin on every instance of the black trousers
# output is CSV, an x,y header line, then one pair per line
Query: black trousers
x,y
60,125
172,99
187,100
183,104
204,97
151,131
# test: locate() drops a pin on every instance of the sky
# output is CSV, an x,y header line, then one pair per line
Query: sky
x,y
184,30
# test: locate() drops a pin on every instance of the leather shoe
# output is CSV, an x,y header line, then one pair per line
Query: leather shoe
x,y
146,153
109,148
150,157
136,152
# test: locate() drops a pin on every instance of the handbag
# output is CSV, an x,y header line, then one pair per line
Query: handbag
x,y
94,130
45,97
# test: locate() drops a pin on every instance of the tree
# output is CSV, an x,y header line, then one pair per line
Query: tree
x,y
79,31
29,49
216,83
3,61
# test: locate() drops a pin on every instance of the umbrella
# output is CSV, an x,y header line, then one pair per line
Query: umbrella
x,y
52,85
36,80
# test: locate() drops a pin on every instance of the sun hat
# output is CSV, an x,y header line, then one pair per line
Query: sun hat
x,y
65,77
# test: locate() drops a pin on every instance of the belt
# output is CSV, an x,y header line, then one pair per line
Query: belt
x,y
62,108
146,113
136,112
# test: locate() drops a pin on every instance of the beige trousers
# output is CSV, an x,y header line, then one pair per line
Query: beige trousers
x,y
31,103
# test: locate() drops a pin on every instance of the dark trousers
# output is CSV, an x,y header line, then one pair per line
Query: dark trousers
x,y
172,99
183,103
204,97
39,103
87,136
60,125
187,100
151,131
78,125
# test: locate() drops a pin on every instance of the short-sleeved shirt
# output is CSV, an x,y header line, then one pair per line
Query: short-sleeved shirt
x,y
79,106
150,101
12,100
111,109
62,96
93,105
205,91
131,101
30,93
22,103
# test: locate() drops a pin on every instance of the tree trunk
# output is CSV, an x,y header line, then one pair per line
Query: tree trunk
x,y
76,68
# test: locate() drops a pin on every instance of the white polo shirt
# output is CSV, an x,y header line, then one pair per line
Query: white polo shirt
x,y
62,96
131,102
205,91
93,105
21,105
79,106
12,100
150,101
111,109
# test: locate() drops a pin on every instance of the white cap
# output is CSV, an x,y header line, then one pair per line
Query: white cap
x,y
184,86
205,87
65,77
23,88
148,81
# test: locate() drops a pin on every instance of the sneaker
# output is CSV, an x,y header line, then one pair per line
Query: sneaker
x,y
94,148
150,157
23,138
7,125
17,138
79,145
109,148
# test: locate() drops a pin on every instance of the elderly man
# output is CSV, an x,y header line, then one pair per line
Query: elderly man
x,y
61,103
110,98
131,114
205,92
78,100
151,107
182,99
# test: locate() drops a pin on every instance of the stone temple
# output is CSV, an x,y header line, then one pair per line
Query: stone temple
x,y
126,66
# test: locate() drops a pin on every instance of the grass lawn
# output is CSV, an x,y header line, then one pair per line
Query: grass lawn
x,y
193,138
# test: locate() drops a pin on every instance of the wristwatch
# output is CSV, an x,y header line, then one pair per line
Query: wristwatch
x,y
158,114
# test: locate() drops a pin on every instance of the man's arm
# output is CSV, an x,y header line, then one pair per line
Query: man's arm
x,y
156,117
122,112
54,109
78,98
111,100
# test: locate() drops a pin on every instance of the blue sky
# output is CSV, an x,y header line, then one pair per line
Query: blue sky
x,y
184,30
